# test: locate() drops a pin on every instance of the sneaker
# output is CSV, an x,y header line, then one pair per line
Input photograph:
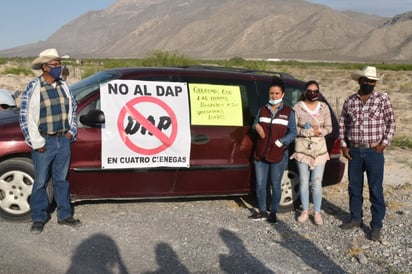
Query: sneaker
x,y
351,225
258,216
37,227
70,221
304,216
317,218
375,235
272,218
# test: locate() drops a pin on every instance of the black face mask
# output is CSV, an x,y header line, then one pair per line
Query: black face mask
x,y
366,88
311,96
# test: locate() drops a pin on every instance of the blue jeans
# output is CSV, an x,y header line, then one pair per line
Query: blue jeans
x,y
55,162
274,172
315,177
371,162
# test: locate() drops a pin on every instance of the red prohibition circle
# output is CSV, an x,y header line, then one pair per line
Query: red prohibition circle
x,y
129,108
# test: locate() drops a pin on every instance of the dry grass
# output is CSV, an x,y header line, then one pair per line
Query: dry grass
x,y
354,250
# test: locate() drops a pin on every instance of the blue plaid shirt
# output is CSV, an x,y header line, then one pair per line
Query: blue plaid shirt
x,y
54,106
30,117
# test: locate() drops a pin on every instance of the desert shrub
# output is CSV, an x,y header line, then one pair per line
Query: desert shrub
x,y
402,141
89,71
257,65
236,61
121,63
163,58
19,71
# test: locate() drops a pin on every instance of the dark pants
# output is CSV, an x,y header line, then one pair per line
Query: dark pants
x,y
369,161
55,161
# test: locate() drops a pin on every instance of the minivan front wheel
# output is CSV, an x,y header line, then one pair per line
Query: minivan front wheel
x,y
290,191
16,183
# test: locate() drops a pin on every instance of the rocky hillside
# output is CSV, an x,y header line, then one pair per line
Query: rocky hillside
x,y
293,29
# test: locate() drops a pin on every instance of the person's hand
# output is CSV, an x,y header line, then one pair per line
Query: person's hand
x,y
380,148
346,154
68,135
260,131
316,130
42,149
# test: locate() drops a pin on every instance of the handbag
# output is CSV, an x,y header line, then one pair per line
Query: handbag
x,y
311,146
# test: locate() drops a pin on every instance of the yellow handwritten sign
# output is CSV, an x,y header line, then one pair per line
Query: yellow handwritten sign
x,y
216,105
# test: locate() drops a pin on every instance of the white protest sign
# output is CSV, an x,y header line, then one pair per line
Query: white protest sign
x,y
147,124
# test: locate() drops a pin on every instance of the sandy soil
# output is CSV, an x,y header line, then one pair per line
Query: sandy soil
x,y
336,85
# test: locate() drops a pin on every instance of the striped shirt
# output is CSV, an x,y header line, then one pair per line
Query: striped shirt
x,y
369,124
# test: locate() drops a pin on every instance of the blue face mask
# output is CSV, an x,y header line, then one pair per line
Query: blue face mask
x,y
55,72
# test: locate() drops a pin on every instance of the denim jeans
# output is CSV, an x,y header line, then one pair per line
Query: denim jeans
x,y
274,172
371,162
314,177
55,162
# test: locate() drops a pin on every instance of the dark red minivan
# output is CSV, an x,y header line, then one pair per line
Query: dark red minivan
x,y
220,161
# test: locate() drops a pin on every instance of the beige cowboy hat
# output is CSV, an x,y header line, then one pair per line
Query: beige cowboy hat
x,y
46,56
367,72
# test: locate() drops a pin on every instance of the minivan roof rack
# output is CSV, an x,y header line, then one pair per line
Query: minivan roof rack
x,y
240,70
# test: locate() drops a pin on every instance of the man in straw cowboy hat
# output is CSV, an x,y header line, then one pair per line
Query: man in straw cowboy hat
x,y
367,126
49,123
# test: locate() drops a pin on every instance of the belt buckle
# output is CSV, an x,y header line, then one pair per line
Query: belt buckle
x,y
360,146
54,134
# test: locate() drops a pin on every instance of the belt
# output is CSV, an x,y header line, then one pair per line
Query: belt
x,y
53,134
355,145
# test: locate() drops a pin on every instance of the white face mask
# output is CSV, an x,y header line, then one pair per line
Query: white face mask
x,y
275,102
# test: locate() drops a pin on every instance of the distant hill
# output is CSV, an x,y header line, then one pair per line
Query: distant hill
x,y
291,29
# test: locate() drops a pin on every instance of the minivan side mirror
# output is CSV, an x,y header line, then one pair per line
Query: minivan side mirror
x,y
94,118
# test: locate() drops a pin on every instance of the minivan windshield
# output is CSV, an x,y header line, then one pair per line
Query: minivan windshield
x,y
85,87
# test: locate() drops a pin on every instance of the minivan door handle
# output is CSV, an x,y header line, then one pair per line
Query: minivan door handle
x,y
200,139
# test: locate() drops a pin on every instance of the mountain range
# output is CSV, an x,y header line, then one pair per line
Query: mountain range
x,y
261,29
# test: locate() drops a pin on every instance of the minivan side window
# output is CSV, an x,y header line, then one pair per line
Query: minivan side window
x,y
292,95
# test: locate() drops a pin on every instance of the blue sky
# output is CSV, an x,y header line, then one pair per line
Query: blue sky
x,y
29,21
387,8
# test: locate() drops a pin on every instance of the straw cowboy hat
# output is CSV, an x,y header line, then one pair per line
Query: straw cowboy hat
x,y
367,72
46,56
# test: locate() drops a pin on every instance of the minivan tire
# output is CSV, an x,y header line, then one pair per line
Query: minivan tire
x,y
16,183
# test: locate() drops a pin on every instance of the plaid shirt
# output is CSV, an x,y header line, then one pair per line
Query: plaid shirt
x,y
54,106
30,113
369,124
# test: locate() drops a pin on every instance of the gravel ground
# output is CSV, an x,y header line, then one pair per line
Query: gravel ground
x,y
210,236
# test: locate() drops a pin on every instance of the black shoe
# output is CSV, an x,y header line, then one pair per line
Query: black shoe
x,y
70,221
351,225
272,218
37,227
375,235
258,216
